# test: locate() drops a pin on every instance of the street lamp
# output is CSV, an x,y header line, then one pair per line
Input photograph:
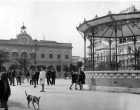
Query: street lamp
x,y
59,63
35,50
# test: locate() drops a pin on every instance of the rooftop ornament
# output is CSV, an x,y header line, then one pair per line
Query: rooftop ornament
x,y
112,27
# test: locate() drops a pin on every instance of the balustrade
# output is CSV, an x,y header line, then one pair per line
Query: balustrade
x,y
112,74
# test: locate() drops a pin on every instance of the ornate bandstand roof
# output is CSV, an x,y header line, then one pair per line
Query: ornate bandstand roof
x,y
126,25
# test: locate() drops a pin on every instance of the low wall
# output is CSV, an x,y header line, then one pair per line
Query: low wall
x,y
115,81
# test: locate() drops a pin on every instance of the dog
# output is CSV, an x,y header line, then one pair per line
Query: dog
x,y
33,99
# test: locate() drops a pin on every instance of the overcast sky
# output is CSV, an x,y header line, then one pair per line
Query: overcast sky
x,y
57,20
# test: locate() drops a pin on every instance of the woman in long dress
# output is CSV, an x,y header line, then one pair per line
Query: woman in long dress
x,y
42,77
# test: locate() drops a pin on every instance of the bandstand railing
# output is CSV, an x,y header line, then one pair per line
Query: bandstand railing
x,y
112,74
113,81
126,62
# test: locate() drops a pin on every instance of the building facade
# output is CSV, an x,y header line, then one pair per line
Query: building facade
x,y
41,52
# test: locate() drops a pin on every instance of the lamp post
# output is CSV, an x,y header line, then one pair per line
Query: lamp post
x,y
59,63
110,42
36,49
60,67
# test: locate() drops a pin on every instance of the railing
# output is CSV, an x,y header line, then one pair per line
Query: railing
x,y
112,74
126,61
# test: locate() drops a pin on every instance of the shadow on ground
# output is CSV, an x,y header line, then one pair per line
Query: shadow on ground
x,y
12,104
60,92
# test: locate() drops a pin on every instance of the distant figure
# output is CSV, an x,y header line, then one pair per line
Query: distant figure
x,y
81,78
37,76
65,75
22,76
28,75
34,77
49,76
18,76
9,74
42,78
31,76
53,76
13,77
5,90
74,79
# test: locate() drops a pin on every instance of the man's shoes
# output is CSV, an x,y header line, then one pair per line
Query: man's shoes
x,y
42,91
70,88
76,89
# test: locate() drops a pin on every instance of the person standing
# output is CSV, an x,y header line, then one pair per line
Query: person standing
x,y
34,77
28,75
42,76
22,76
5,90
49,76
53,76
74,77
31,76
81,78
37,76
18,76
9,73
13,77
65,75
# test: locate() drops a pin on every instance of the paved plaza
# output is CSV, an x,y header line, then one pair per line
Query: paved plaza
x,y
59,97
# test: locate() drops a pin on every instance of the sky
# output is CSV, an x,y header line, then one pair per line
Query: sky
x,y
55,20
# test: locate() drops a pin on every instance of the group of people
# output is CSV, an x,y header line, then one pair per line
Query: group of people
x,y
32,76
78,78
15,74
50,75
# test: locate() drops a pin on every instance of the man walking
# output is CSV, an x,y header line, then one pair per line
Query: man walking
x,y
74,78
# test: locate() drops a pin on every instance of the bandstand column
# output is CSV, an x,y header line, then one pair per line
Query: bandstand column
x,y
84,50
93,49
116,65
110,52
135,52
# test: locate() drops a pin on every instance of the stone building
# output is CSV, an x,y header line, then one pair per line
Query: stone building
x,y
41,52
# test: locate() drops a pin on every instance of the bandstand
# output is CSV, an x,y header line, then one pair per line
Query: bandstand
x,y
116,28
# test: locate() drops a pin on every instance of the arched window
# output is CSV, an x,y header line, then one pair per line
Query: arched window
x,y
42,55
51,55
24,55
58,55
32,55
129,50
15,54
66,56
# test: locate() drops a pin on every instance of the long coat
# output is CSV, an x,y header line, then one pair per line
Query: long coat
x,y
74,77
82,77
42,77
5,90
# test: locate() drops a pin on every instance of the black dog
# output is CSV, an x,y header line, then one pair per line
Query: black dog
x,y
33,99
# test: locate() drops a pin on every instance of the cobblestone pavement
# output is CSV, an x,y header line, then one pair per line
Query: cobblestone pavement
x,y
59,97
